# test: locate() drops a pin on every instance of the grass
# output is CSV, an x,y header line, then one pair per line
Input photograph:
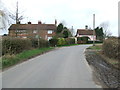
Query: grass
x,y
68,45
10,60
96,47
115,63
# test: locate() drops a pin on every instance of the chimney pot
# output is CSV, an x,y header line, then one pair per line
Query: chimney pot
x,y
29,22
39,22
18,22
86,26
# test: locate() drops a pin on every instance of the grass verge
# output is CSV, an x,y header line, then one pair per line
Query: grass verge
x,y
68,45
96,47
115,63
10,60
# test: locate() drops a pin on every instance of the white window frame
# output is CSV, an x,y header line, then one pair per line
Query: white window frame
x,y
35,31
50,31
49,38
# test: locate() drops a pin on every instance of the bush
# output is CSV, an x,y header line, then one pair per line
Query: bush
x,y
70,41
53,42
15,45
34,42
43,43
111,48
61,41
39,43
82,39
91,42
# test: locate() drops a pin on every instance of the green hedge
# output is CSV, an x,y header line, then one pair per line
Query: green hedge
x,y
53,42
82,40
111,48
61,41
15,45
70,41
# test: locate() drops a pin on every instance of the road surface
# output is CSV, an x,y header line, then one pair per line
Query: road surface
x,y
64,67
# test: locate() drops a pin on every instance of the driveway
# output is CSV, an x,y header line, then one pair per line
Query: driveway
x,y
64,67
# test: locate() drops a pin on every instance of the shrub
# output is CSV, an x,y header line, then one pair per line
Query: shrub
x,y
34,42
53,42
70,41
15,45
43,43
61,41
82,39
91,42
111,48
39,43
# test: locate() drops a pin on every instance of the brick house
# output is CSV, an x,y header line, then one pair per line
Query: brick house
x,y
86,33
45,31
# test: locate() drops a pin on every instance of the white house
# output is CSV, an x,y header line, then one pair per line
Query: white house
x,y
86,33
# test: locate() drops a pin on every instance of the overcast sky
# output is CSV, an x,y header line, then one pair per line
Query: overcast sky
x,y
76,13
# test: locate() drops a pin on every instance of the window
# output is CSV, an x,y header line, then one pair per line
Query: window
x,y
34,31
49,38
50,31
24,37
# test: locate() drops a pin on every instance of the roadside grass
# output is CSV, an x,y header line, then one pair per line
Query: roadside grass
x,y
10,60
96,47
115,63
77,44
68,45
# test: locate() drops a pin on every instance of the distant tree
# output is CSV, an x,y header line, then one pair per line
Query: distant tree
x,y
99,33
65,28
66,34
105,26
60,28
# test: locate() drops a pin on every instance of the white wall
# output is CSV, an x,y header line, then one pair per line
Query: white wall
x,y
90,36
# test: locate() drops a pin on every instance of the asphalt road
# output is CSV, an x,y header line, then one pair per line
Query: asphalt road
x,y
64,67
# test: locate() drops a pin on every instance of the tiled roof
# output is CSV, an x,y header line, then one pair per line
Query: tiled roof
x,y
32,26
84,32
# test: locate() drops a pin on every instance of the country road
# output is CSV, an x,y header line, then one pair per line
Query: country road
x,y
64,67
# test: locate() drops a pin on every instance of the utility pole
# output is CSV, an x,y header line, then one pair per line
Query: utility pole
x,y
93,29
72,31
17,12
16,31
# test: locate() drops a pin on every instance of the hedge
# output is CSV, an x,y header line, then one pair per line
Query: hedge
x,y
111,48
82,40
61,41
15,45
70,41
53,42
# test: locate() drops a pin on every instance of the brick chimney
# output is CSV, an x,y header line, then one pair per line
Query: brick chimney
x,y
18,22
55,22
39,22
29,23
86,26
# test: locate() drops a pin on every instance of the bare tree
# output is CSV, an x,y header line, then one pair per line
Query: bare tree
x,y
16,15
105,26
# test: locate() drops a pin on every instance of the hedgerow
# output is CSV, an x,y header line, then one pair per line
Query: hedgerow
x,y
111,48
